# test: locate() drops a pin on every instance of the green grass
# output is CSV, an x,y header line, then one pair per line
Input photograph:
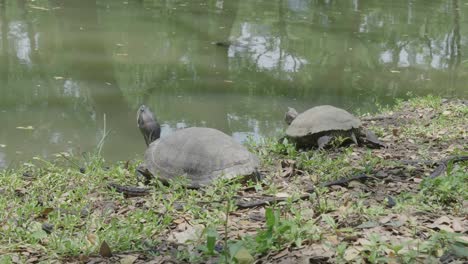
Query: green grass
x,y
84,212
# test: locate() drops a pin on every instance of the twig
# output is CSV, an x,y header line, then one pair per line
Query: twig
x,y
444,163
261,201
377,118
129,191
69,160
104,136
226,223
345,181
416,162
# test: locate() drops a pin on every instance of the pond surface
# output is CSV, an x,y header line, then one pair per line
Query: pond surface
x,y
67,68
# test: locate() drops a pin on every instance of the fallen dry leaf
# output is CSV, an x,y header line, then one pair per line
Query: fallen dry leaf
x,y
187,233
91,239
445,228
105,250
32,260
179,221
282,195
83,258
129,259
457,226
243,256
369,224
288,168
350,254
363,242
386,219
443,220
281,254
333,240
46,212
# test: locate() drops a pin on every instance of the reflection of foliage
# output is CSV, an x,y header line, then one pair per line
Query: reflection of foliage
x,y
294,48
374,34
85,58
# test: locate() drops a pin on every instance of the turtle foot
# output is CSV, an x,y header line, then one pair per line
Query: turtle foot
x,y
323,141
143,174
371,140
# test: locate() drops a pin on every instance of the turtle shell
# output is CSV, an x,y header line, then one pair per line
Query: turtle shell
x,y
201,155
322,119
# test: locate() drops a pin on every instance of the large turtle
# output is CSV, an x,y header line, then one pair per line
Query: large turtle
x,y
198,153
317,126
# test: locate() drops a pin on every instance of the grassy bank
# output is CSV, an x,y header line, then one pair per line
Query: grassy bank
x,y
64,211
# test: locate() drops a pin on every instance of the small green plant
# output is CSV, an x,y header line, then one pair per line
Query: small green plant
x,y
330,221
340,251
321,204
375,250
426,101
211,237
281,232
438,242
450,190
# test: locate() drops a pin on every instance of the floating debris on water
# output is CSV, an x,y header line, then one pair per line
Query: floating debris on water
x,y
62,154
25,128
39,8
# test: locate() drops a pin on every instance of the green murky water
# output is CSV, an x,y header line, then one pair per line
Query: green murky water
x,y
64,65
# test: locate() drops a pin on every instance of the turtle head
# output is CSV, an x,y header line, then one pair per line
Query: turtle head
x,y
148,124
290,115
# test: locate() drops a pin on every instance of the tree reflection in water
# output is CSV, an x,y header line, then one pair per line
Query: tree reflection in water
x,y
66,64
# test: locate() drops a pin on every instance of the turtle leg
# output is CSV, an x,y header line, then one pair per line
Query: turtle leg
x,y
372,140
257,176
354,139
143,173
323,141
281,139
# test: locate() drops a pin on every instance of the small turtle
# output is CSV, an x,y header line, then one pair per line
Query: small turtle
x,y
317,126
200,154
